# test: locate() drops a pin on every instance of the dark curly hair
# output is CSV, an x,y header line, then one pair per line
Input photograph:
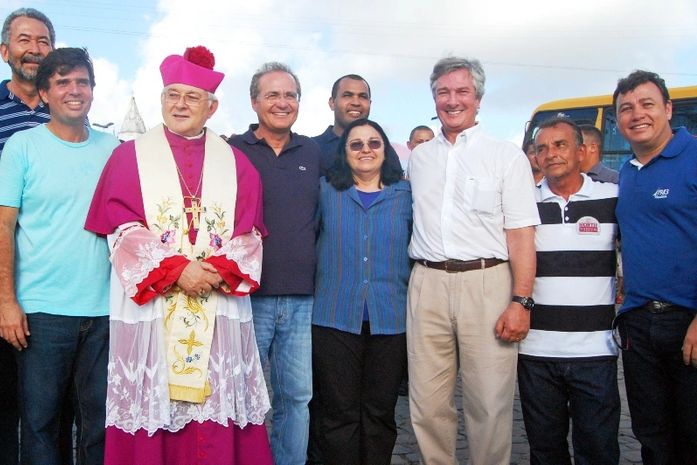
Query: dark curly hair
x,y
340,175
63,61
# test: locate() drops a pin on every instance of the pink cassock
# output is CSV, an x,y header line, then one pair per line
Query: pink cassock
x,y
118,200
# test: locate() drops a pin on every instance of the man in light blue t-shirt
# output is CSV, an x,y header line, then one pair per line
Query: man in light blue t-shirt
x,y
54,275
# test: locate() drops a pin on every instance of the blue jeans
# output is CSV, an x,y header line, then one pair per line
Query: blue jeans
x,y
552,392
661,390
63,350
283,329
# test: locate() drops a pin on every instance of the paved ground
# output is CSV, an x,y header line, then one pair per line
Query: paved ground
x,y
407,452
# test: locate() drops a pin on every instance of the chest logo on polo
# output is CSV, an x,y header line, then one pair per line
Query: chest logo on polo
x,y
588,225
661,193
302,168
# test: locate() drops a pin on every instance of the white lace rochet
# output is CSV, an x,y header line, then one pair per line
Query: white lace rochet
x,y
138,393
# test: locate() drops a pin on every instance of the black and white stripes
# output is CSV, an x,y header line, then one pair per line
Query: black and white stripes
x,y
575,280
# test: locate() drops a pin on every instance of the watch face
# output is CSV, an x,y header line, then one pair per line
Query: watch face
x,y
526,302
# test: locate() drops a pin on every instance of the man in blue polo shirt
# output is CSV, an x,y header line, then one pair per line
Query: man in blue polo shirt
x,y
657,215
350,100
27,37
289,166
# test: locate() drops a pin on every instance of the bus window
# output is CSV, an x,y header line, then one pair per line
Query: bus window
x,y
685,114
579,115
598,110
616,149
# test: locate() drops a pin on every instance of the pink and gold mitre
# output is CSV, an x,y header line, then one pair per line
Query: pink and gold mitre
x,y
194,68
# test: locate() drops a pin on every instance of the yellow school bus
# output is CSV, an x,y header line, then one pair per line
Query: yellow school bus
x,y
599,112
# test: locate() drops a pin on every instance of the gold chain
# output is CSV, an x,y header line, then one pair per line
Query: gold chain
x,y
186,186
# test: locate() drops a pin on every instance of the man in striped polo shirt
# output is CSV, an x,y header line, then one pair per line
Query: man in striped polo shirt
x,y
567,367
27,37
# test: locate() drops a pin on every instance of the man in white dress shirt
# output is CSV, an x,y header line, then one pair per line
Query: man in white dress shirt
x,y
470,290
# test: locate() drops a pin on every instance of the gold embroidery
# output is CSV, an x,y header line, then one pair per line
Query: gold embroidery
x,y
171,300
190,342
164,211
195,307
183,366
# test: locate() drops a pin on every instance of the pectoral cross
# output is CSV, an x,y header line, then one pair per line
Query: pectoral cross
x,y
195,210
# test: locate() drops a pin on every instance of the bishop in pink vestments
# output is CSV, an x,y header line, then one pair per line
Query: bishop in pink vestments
x,y
183,215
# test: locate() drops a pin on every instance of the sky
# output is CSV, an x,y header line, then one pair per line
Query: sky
x,y
532,51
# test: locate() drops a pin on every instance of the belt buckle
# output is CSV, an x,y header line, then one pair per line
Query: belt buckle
x,y
660,307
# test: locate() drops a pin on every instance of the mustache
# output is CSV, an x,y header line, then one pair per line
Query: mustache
x,y
37,59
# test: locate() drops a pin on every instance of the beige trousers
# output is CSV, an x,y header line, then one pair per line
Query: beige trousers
x,y
451,316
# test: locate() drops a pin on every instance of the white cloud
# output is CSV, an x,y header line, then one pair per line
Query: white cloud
x,y
111,95
532,51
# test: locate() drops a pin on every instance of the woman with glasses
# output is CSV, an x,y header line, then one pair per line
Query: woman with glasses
x,y
359,315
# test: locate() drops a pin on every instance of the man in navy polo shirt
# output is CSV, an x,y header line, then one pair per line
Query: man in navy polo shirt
x,y
27,37
350,101
289,166
657,215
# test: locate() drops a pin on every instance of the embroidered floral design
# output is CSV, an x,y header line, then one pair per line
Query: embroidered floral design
x,y
216,227
182,365
196,313
167,237
216,241
217,223
166,223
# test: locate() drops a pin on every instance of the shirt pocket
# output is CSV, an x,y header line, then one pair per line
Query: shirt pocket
x,y
485,195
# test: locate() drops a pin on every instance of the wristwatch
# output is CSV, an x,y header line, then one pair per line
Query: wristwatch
x,y
527,302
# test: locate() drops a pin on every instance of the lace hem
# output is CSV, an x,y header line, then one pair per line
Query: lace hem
x,y
138,393
225,422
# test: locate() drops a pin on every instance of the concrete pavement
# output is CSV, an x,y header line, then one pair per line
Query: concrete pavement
x,y
406,451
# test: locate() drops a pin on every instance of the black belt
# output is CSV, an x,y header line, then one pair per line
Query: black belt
x,y
655,306
457,266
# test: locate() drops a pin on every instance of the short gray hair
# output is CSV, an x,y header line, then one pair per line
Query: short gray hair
x,y
27,13
554,121
270,67
449,64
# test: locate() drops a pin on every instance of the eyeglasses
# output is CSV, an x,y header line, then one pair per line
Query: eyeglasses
x,y
191,99
275,97
357,145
